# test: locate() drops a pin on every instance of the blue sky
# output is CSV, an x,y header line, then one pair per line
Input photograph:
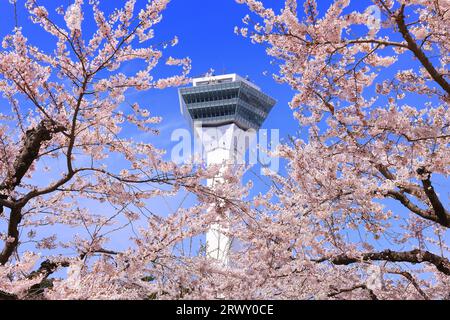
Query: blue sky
x,y
205,32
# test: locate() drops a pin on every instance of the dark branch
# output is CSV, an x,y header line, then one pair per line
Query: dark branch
x,y
413,281
15,217
437,213
426,214
418,53
47,267
414,256
7,296
32,142
442,215
360,286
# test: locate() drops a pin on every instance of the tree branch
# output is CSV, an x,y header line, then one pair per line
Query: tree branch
x,y
426,214
360,286
438,214
7,296
439,210
414,256
33,140
47,267
413,281
15,217
412,45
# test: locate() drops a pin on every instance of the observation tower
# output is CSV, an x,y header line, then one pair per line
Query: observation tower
x,y
224,111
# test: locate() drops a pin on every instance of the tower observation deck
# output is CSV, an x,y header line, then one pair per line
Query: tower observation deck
x,y
220,100
223,110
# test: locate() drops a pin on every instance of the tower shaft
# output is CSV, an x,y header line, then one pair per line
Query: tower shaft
x,y
226,146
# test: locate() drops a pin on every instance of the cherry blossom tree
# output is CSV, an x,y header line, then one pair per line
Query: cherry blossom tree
x,y
68,108
362,213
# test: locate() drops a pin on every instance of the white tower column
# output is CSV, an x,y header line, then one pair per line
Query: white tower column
x,y
223,145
